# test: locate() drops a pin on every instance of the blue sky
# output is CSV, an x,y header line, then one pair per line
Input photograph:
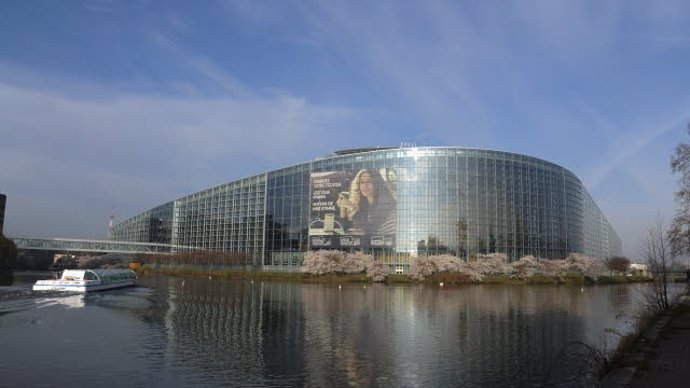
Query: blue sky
x,y
130,104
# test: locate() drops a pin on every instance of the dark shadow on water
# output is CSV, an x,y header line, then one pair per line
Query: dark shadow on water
x,y
6,278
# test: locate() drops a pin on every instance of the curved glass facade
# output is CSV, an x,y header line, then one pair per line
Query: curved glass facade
x,y
393,202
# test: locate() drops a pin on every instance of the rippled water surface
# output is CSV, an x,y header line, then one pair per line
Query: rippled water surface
x,y
170,332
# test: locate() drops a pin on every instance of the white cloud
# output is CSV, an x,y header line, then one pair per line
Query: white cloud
x,y
80,156
203,67
416,54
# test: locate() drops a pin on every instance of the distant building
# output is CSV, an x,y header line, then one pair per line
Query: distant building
x,y
638,269
3,200
395,203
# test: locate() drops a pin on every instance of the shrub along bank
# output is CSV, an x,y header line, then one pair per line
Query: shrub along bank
x,y
8,253
329,266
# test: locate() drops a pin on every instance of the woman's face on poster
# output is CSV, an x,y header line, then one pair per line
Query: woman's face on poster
x,y
366,185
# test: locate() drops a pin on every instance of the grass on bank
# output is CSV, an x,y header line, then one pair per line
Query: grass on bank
x,y
627,343
643,323
623,279
571,278
234,273
633,349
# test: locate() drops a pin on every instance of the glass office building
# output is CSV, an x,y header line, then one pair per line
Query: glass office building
x,y
395,203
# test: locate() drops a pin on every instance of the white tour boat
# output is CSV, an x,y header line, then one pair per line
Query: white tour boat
x,y
83,280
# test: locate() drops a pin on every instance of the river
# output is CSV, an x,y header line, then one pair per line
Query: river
x,y
180,332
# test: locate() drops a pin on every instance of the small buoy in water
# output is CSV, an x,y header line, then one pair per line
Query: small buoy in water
x,y
440,284
582,289
252,281
209,278
182,282
340,287
365,286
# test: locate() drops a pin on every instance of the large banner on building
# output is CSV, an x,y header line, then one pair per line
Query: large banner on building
x,y
353,209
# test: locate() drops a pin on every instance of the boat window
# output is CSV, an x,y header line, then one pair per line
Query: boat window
x,y
90,276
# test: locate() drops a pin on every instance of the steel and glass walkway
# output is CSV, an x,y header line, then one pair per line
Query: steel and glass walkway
x,y
105,246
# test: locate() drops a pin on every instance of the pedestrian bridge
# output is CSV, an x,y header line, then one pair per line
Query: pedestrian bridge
x,y
96,246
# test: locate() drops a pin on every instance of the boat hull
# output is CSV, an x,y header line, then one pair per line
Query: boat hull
x,y
58,285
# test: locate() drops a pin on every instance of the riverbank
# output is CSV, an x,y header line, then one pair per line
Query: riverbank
x,y
659,356
447,278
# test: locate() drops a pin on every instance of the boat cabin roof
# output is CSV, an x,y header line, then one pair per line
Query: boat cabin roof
x,y
100,273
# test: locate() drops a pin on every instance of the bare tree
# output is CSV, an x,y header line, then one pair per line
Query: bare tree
x,y
619,264
656,248
680,226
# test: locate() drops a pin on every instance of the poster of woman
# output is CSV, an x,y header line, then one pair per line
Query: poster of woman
x,y
353,203
369,206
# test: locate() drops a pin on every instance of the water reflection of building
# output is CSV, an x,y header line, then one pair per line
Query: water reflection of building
x,y
416,336
215,327
236,332
345,343
489,336
282,333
